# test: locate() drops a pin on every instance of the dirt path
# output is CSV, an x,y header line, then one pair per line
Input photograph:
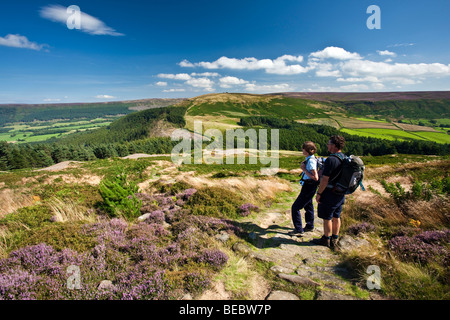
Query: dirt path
x,y
295,259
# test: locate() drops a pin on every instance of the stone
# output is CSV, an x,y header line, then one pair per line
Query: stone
x,y
348,243
280,269
281,295
144,217
298,280
242,248
106,285
328,295
222,236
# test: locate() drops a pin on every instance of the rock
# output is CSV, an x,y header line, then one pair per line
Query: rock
x,y
348,243
328,295
298,280
281,269
222,236
281,295
144,217
242,248
187,296
106,285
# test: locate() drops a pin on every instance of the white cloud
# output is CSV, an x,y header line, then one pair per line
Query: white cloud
x,y
359,68
386,53
18,41
104,96
186,64
161,83
227,82
276,66
88,23
283,87
178,76
334,53
205,74
204,83
174,90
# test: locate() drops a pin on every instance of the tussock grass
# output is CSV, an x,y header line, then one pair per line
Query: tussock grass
x,y
69,211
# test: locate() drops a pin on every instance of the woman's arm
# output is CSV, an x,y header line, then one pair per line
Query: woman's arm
x,y
313,175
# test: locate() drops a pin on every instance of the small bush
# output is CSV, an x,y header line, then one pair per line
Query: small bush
x,y
215,202
119,197
359,228
27,217
426,247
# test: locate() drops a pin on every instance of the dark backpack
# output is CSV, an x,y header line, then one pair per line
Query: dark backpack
x,y
320,166
350,176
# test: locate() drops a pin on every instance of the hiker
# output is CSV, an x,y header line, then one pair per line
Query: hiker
x,y
329,202
309,182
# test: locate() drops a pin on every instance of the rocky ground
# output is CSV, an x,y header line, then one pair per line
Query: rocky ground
x,y
295,259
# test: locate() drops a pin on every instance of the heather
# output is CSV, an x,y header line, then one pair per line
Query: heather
x,y
165,254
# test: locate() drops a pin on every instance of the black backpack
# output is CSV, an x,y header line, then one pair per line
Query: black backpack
x,y
350,176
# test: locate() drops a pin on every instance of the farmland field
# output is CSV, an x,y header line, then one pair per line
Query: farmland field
x,y
389,134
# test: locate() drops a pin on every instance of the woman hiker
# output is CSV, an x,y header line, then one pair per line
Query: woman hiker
x,y
309,181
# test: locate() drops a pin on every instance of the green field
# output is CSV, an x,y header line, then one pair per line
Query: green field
x,y
391,134
38,132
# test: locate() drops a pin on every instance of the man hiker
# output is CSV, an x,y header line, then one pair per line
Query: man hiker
x,y
329,202
309,182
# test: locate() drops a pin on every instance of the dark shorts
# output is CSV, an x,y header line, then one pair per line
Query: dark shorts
x,y
330,205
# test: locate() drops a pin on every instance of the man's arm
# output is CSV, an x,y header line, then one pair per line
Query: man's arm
x,y
323,184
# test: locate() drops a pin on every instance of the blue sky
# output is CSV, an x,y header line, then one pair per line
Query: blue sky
x,y
131,49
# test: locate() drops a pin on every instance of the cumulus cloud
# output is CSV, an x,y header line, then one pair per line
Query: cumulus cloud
x,y
227,82
88,23
19,41
386,53
276,66
178,76
282,87
204,83
334,53
175,90
161,83
205,74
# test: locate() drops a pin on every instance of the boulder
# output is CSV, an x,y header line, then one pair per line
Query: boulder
x,y
281,295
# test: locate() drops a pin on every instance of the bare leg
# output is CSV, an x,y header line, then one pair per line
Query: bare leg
x,y
336,226
327,226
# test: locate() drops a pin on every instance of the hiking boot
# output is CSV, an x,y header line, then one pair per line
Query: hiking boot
x,y
308,229
324,241
295,233
334,244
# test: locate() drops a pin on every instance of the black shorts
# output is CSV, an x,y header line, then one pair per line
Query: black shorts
x,y
330,205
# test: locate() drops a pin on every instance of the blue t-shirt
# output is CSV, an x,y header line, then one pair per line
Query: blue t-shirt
x,y
311,164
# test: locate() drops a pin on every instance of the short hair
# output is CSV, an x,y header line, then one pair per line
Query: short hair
x,y
338,141
310,147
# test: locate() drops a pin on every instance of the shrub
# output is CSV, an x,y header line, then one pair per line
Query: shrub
x,y
423,248
27,217
196,282
119,197
246,208
215,258
358,228
214,201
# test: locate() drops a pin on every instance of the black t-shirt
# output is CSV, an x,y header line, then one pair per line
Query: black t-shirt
x,y
332,167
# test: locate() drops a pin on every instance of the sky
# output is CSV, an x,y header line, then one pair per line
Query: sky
x,y
92,51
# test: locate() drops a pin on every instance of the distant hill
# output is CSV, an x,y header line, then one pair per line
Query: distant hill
x,y
10,113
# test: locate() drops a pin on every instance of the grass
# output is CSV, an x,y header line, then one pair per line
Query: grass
x,y
38,132
388,134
